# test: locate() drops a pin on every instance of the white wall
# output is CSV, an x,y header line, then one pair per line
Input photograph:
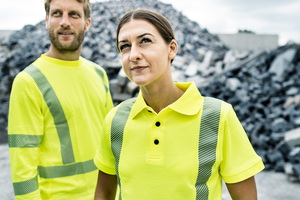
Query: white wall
x,y
249,41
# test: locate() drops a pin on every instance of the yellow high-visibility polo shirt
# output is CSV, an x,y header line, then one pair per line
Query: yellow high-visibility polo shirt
x,y
56,115
182,152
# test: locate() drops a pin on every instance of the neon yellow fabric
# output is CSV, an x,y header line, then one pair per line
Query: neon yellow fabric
x,y
160,160
75,93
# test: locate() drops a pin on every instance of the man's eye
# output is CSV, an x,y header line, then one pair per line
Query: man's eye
x,y
75,15
56,14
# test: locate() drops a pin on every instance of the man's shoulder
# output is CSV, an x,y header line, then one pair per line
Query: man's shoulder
x,y
24,72
90,63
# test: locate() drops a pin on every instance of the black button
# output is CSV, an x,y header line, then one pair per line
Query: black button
x,y
156,141
157,124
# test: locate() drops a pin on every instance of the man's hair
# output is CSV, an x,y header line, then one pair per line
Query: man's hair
x,y
86,6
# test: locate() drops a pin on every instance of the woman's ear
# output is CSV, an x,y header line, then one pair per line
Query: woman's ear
x,y
173,49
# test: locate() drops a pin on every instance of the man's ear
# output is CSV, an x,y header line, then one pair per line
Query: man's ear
x,y
173,49
46,20
87,24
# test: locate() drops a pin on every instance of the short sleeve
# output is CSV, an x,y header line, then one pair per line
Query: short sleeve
x,y
104,158
240,161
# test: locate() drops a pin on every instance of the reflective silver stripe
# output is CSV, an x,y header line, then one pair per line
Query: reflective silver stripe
x,y
26,187
57,112
208,139
24,141
117,131
67,170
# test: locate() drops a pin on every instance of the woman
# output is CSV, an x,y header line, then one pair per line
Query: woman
x,y
170,142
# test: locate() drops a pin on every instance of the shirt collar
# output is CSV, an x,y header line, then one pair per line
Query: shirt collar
x,y
188,104
139,105
63,63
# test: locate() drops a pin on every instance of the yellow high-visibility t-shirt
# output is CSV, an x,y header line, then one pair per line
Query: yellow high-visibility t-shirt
x,y
182,152
56,115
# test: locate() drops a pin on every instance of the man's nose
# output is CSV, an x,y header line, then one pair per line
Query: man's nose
x,y
65,20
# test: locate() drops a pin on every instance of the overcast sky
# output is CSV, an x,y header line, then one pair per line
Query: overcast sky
x,y
280,17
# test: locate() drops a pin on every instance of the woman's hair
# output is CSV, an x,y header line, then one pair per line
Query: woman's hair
x,y
86,7
157,20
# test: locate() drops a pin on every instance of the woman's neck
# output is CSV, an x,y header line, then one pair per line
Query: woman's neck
x,y
159,96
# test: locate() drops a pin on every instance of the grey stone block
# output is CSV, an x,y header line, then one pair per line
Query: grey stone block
x,y
292,137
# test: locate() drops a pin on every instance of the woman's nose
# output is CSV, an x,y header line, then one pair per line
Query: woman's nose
x,y
135,53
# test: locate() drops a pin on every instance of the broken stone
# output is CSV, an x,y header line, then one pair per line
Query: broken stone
x,y
282,59
292,137
296,169
274,156
192,68
279,125
122,78
233,83
292,91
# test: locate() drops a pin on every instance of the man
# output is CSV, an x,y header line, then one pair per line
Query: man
x,y
56,113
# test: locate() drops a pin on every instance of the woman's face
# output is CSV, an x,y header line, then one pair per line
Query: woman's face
x,y
146,57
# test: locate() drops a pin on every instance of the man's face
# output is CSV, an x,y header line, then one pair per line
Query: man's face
x,y
66,25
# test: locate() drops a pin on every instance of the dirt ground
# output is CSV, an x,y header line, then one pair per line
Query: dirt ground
x,y
270,185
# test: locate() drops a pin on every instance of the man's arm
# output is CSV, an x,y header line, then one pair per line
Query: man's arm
x,y
106,187
25,132
244,190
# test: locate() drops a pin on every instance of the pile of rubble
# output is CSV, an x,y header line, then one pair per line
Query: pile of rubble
x,y
264,90
263,87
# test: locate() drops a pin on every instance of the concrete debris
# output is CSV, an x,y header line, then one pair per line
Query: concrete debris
x,y
292,137
282,59
263,87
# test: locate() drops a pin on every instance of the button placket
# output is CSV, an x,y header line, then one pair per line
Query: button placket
x,y
155,150
156,141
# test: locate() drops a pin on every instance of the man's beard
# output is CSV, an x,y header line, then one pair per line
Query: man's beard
x,y
74,46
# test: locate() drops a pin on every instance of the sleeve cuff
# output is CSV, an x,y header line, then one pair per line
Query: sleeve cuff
x,y
256,168
104,168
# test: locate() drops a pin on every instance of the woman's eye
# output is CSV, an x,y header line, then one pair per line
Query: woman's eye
x,y
145,40
124,46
